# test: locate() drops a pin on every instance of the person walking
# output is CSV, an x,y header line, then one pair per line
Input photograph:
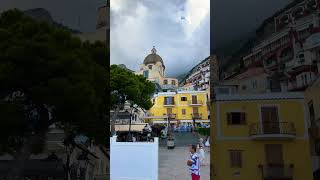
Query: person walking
x,y
194,163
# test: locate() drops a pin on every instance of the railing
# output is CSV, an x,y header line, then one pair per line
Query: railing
x,y
168,103
196,116
172,116
277,171
267,128
195,102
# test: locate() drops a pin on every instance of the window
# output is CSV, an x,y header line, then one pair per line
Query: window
x,y
235,158
254,84
168,100
183,98
173,82
146,74
150,66
183,112
236,118
165,81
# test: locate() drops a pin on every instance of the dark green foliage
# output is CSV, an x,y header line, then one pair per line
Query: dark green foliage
x,y
124,85
52,66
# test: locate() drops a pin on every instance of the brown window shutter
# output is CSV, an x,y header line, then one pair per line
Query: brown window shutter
x,y
243,118
239,159
235,158
229,118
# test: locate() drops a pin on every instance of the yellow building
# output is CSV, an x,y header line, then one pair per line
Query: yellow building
x,y
180,107
260,137
153,69
312,98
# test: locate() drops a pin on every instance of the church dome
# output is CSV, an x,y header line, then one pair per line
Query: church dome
x,y
153,58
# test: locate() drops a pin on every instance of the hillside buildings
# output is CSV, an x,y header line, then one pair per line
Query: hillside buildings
x,y
153,69
287,48
199,77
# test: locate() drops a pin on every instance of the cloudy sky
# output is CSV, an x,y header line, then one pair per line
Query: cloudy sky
x,y
66,11
179,29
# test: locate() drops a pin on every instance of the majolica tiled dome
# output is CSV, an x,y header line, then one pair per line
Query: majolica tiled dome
x,y
153,58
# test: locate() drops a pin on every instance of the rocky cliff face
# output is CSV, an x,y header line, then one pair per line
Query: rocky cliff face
x,y
40,14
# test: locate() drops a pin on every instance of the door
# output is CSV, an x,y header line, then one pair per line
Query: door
x,y
274,160
270,120
194,99
195,112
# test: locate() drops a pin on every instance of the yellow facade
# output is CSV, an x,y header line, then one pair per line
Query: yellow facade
x,y
184,106
253,136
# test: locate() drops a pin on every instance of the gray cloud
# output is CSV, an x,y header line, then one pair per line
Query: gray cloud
x,y
66,11
138,25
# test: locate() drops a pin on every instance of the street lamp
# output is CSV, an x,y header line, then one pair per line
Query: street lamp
x,y
134,108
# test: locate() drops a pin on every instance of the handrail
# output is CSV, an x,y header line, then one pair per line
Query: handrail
x,y
272,128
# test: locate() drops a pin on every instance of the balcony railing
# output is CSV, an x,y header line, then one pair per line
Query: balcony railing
x,y
168,103
172,116
195,102
196,116
277,171
271,130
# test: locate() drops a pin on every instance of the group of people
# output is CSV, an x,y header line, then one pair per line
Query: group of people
x,y
189,127
197,158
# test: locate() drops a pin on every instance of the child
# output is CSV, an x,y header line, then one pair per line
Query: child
x,y
194,163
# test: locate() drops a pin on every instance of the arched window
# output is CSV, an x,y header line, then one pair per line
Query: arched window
x,y
165,81
150,66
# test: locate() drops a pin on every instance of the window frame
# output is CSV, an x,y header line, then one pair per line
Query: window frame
x,y
183,111
183,97
242,120
235,160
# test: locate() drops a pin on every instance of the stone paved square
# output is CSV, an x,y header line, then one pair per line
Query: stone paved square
x,y
172,164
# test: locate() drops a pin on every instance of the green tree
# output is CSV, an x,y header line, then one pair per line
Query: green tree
x,y
52,68
126,86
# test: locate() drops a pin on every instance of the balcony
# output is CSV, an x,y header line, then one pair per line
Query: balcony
x,y
196,116
270,63
195,103
277,171
172,116
271,131
168,104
